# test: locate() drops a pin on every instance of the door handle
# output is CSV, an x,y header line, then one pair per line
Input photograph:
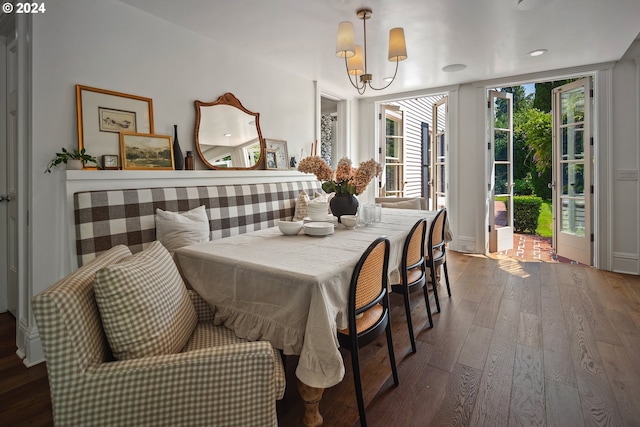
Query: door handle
x,y
551,185
3,198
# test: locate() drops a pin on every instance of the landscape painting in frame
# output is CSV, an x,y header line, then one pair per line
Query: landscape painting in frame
x,y
141,151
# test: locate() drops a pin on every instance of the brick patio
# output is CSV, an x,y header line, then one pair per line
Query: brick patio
x,y
528,247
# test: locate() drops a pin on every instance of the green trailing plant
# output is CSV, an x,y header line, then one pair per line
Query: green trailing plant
x,y
64,156
526,210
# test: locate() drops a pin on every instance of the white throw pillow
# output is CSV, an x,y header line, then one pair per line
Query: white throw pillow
x,y
175,230
144,305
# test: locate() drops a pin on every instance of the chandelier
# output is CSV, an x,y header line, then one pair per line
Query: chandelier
x,y
355,58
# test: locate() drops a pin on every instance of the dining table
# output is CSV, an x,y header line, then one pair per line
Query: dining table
x,y
292,290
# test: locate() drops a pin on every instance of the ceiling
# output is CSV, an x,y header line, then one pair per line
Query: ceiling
x,y
491,37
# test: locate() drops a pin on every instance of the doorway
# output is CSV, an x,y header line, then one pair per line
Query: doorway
x,y
413,147
8,163
553,163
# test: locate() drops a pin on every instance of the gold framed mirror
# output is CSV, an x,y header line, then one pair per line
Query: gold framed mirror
x,y
227,135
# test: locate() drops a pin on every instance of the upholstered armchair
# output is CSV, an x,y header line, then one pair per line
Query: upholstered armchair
x,y
216,379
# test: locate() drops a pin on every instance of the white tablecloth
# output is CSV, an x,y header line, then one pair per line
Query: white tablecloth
x,y
291,290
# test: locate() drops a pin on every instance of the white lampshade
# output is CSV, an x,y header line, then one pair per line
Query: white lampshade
x,y
355,64
397,46
345,45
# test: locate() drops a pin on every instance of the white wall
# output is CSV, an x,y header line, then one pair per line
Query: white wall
x,y
626,156
113,46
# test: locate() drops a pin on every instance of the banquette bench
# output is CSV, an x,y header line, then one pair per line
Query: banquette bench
x,y
106,218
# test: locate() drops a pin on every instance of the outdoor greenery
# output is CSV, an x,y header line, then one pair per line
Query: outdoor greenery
x,y
545,220
532,155
526,210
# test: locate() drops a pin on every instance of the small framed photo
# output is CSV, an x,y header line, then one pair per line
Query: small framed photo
x,y
140,151
271,161
110,162
282,155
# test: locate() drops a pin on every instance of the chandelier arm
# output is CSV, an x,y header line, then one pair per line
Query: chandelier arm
x,y
355,85
392,79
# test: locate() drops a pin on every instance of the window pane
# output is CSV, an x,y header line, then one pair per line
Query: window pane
x,y
573,217
501,212
502,179
392,178
501,113
393,127
572,179
572,106
440,179
573,142
501,151
394,148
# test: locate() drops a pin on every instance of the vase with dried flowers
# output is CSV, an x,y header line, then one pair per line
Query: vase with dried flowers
x,y
346,181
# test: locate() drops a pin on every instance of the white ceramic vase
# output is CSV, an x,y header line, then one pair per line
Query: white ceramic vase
x,y
74,164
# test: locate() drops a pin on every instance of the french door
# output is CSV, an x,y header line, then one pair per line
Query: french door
x,y
500,147
438,169
392,152
572,161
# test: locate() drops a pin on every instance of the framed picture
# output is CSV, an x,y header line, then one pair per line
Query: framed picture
x,y
282,154
103,114
140,151
271,160
117,120
110,162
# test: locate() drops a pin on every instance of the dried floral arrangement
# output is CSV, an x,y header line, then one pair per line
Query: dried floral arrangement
x,y
345,179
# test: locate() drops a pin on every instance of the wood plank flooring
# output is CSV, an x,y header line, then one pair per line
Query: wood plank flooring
x,y
529,344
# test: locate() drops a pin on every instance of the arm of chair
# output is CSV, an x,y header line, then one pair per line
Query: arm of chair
x,y
227,385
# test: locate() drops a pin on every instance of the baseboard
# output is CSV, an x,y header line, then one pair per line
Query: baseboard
x,y
466,244
29,345
625,262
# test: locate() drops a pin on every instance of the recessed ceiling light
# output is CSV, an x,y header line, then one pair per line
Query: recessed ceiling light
x,y
531,4
537,52
227,134
452,68
388,79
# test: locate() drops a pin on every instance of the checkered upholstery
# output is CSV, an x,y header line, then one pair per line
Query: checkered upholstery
x,y
216,380
108,218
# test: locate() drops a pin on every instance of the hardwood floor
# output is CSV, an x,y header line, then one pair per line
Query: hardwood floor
x,y
516,344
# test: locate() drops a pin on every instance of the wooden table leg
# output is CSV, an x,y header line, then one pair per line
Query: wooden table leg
x,y
311,397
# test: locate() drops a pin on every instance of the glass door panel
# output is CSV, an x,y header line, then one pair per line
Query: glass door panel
x,y
572,199
501,184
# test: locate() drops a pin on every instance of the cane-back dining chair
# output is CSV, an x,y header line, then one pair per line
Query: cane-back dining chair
x,y
413,273
368,313
436,253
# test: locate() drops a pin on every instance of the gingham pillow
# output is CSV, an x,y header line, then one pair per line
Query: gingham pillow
x,y
175,230
144,305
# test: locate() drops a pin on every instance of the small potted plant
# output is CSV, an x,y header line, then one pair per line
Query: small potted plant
x,y
73,159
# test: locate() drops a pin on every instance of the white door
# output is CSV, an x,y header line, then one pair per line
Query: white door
x,y
11,197
500,147
438,181
572,188
392,151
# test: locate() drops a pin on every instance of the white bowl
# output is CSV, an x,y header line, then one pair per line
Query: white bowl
x,y
289,228
349,221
